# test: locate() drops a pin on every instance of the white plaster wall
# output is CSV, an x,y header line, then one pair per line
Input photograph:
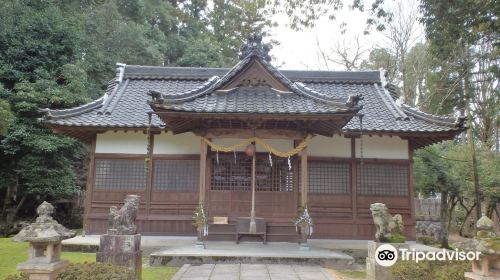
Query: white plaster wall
x,y
383,147
121,142
279,144
336,146
179,144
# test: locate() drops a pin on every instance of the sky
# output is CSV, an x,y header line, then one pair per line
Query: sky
x,y
298,50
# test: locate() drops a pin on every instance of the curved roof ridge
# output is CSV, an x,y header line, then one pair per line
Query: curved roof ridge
x,y
215,83
459,121
111,105
188,95
391,105
65,113
310,93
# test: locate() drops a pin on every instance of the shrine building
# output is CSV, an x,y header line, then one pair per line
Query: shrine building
x,y
250,136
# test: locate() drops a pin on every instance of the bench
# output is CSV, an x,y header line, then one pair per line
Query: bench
x,y
243,227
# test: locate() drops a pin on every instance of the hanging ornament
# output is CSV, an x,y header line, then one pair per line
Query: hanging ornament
x,y
289,164
250,150
217,157
270,159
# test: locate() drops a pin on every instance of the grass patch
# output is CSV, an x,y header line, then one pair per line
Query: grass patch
x,y
353,274
12,253
158,272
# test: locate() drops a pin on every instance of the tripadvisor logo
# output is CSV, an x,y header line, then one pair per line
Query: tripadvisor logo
x,y
387,255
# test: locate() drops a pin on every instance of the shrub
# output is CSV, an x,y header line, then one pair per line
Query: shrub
x,y
436,270
86,271
94,271
22,276
427,240
397,238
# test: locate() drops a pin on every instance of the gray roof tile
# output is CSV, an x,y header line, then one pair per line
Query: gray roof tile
x,y
125,104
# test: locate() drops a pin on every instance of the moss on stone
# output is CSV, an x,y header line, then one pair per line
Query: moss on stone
x,y
397,238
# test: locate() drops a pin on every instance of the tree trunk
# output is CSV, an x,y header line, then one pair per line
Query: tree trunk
x,y
443,238
468,211
453,203
18,207
472,150
470,132
9,193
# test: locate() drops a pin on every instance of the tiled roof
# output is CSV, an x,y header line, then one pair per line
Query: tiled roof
x,y
125,102
263,100
214,97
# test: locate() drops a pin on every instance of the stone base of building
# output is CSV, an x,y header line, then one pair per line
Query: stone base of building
x,y
42,271
374,270
122,250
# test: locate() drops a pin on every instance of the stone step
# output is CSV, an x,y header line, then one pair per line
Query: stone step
x,y
251,253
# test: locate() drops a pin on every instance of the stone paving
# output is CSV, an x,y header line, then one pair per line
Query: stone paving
x,y
251,272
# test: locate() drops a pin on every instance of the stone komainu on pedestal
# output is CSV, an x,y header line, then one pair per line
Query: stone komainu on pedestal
x,y
122,245
45,236
387,226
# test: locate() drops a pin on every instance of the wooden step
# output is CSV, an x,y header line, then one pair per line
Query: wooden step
x,y
276,232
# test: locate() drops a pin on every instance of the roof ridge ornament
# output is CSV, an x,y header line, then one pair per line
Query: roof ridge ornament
x,y
254,46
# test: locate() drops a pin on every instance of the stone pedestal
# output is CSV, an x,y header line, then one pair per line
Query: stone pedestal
x,y
376,271
122,250
41,270
486,268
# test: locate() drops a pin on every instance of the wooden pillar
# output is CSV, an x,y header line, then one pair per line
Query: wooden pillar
x,y
89,185
354,184
304,181
295,174
411,192
149,180
253,225
203,169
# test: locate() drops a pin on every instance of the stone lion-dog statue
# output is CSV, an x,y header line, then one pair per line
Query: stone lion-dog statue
x,y
387,225
122,222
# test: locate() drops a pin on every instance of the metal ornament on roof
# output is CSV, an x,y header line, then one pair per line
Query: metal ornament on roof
x,y
254,45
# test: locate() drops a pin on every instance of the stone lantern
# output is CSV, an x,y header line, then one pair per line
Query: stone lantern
x,y
44,236
486,242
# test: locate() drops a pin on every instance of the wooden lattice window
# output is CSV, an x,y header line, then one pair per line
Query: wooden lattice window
x,y
120,174
329,177
176,175
382,179
235,173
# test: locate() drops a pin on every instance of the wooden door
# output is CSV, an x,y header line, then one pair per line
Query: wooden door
x,y
229,192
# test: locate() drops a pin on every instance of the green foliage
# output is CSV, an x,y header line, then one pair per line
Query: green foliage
x,y
397,238
382,58
463,42
433,173
35,40
60,54
436,270
94,271
17,252
200,52
6,116
85,271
